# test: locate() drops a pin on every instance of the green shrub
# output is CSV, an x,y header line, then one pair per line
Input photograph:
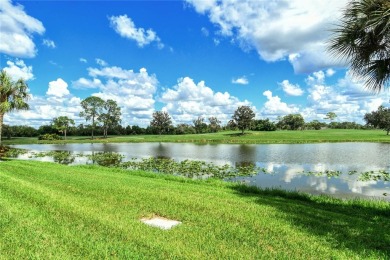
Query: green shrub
x,y
49,137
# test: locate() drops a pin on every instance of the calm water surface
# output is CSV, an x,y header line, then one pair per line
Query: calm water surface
x,y
286,162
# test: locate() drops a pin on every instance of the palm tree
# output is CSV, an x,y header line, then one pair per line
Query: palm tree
x,y
363,40
13,96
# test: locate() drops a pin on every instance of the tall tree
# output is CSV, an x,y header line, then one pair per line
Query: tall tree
x,y
199,125
243,117
62,124
379,118
13,96
93,107
111,116
331,116
161,121
363,39
214,125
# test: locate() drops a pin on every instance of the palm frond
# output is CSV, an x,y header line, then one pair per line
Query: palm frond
x,y
363,39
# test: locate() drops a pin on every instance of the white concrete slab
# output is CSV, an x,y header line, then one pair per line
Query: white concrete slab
x,y
160,222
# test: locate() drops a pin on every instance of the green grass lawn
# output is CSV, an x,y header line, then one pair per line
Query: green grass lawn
x,y
306,136
53,211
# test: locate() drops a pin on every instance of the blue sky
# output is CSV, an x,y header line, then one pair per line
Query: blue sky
x,y
191,58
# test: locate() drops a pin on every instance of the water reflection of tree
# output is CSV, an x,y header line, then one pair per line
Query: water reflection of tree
x,y
247,153
63,157
162,151
106,158
245,164
162,157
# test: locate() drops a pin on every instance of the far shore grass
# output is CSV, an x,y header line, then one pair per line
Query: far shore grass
x,y
51,211
231,137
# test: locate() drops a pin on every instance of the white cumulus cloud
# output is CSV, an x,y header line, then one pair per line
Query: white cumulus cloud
x,y
83,83
44,109
241,81
133,91
58,88
18,69
330,72
347,98
17,29
187,100
126,28
291,89
275,107
293,29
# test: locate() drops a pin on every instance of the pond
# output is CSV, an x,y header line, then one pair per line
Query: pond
x,y
344,170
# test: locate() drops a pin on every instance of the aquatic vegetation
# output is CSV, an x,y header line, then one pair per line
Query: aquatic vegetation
x,y
327,173
190,168
14,152
379,175
109,159
375,176
62,157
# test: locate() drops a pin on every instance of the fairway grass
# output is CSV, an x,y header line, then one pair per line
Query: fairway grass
x,y
233,137
54,211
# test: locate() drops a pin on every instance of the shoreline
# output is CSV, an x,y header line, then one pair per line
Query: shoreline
x,y
229,137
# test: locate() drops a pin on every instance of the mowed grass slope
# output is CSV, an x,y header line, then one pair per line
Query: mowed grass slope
x,y
54,211
250,137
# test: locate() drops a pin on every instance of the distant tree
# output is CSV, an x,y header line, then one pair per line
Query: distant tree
x,y
128,130
19,131
116,129
330,116
263,125
7,131
231,125
243,117
214,124
93,107
137,130
199,125
291,122
315,124
47,129
363,40
13,96
182,129
110,116
83,130
161,122
379,118
345,125
62,124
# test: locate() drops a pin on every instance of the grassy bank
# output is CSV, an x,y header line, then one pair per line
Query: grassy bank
x,y
54,211
251,137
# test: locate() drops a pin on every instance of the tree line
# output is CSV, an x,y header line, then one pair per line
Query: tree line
x,y
104,118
